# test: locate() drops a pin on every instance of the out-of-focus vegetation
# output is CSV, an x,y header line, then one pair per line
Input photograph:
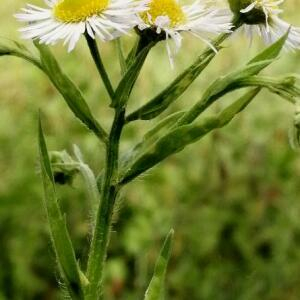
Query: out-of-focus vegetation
x,y
233,199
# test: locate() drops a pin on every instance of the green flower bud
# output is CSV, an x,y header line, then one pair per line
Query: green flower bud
x,y
64,167
255,16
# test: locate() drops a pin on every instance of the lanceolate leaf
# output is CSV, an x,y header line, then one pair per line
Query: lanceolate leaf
x,y
230,82
220,87
156,287
69,91
162,101
272,51
19,50
64,251
169,95
152,136
125,86
285,87
122,59
177,139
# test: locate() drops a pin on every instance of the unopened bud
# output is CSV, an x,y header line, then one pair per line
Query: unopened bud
x,y
255,16
64,167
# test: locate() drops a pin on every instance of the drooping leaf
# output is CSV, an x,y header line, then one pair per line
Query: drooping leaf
x,y
156,287
284,87
90,182
19,50
62,244
69,91
180,137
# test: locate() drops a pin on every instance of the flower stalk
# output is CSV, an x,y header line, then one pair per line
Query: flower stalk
x,y
92,44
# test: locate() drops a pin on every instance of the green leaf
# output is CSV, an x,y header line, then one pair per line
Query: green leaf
x,y
231,82
132,54
294,135
161,102
126,84
62,244
156,287
180,137
69,91
152,136
285,87
19,50
272,51
121,56
169,95
221,87
90,182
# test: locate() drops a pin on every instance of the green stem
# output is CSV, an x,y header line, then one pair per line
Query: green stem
x,y
109,193
99,64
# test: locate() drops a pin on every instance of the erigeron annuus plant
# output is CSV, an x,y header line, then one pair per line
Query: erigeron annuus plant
x,y
154,21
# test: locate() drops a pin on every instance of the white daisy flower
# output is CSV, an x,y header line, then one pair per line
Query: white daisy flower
x,y
68,19
171,18
271,27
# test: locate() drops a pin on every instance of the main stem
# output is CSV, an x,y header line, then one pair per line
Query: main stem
x,y
109,194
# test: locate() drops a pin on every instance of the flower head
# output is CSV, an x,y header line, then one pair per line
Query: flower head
x,y
68,19
171,18
262,17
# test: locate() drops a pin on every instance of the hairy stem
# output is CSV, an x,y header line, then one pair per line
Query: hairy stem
x,y
109,194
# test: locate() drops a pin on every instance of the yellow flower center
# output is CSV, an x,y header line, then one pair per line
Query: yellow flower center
x,y
166,8
73,11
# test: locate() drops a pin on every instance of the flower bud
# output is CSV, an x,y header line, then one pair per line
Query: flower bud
x,y
255,16
63,166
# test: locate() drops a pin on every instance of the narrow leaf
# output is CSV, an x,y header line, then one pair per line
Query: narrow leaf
x,y
156,287
272,51
161,102
132,54
90,182
19,50
285,87
69,91
177,139
220,87
62,244
125,86
169,95
152,136
121,56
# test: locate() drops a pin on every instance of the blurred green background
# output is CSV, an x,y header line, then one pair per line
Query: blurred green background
x,y
233,198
